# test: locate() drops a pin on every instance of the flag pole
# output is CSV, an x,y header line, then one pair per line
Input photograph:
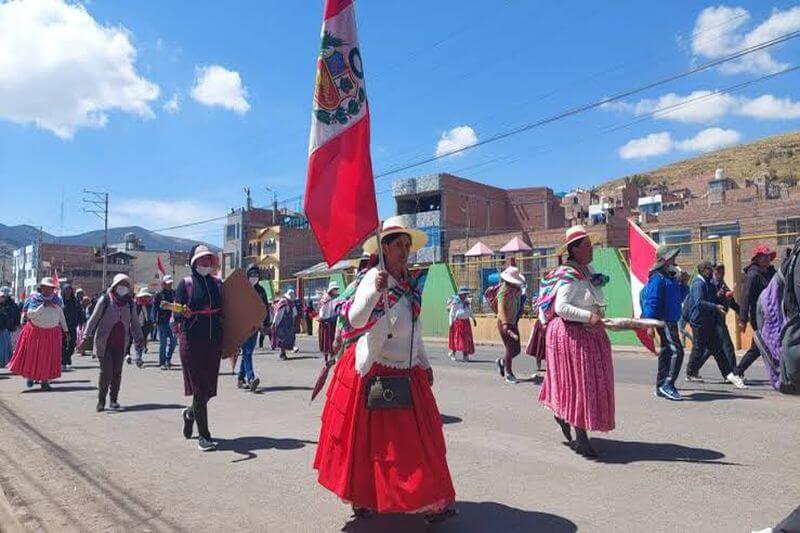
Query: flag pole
x,y
382,265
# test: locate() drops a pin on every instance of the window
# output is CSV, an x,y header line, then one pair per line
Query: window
x,y
788,225
230,232
721,230
677,236
434,234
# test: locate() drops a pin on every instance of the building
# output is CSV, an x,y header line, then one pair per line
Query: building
x,y
281,251
448,208
239,226
144,267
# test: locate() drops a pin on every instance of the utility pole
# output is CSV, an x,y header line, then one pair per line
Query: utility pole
x,y
97,203
274,205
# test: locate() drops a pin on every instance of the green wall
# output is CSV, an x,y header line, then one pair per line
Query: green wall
x,y
338,277
617,292
439,286
268,287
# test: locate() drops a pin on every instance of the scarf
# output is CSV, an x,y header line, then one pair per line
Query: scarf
x,y
37,300
408,288
548,288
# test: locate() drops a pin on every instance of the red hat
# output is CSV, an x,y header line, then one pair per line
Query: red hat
x,y
763,249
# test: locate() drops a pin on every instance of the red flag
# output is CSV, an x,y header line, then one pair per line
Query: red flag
x,y
55,278
340,191
24,295
642,254
160,266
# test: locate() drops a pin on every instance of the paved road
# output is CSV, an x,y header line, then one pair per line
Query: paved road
x,y
724,461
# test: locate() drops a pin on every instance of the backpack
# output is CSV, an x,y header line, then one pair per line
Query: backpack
x,y
490,294
790,335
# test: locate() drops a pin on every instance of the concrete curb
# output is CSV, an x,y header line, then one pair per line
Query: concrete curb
x,y
8,520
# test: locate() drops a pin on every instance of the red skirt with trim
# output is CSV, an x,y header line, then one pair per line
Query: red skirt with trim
x,y
461,337
37,355
390,461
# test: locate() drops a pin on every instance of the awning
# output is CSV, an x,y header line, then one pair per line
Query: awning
x,y
321,269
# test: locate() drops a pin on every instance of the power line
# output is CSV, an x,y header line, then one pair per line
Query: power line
x,y
598,103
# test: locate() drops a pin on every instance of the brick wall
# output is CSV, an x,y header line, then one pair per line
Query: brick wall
x,y
298,251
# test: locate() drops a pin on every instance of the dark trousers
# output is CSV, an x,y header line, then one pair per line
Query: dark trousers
x,y
68,347
670,358
199,412
724,355
749,358
511,344
706,341
110,374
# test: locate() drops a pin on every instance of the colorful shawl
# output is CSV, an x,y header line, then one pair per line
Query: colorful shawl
x,y
407,288
36,300
548,288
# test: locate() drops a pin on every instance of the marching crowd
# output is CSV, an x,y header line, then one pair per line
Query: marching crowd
x,y
380,422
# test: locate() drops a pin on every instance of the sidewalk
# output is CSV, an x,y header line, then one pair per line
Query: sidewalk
x,y
638,350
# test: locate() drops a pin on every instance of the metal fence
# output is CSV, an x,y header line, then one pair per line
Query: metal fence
x,y
691,253
780,242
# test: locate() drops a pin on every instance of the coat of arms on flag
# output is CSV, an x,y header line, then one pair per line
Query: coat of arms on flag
x,y
339,92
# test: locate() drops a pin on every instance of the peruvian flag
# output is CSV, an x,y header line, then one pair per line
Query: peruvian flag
x,y
642,256
340,191
56,281
160,266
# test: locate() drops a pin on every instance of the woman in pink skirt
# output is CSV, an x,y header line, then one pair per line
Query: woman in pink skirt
x,y
37,356
579,383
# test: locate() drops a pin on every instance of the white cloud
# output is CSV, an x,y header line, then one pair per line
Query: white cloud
x,y
455,139
217,86
173,105
770,107
662,143
718,32
61,70
709,140
650,146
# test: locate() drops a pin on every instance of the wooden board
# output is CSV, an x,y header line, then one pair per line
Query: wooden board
x,y
243,312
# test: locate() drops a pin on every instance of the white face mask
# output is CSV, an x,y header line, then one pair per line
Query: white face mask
x,y
203,271
121,290
253,281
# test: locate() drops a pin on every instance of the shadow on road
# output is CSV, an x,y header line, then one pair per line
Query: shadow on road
x,y
448,419
247,446
624,452
57,388
714,396
70,381
300,357
281,388
148,407
474,517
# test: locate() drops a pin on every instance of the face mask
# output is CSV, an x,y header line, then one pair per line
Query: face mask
x,y
121,291
203,271
253,281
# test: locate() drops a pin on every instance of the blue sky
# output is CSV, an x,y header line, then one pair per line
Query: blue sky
x,y
174,107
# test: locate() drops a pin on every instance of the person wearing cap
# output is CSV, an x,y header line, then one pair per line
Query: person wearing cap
x,y
144,314
73,313
578,386
757,276
284,334
460,334
201,331
509,302
247,377
37,354
9,322
327,320
661,299
385,460
112,323
162,311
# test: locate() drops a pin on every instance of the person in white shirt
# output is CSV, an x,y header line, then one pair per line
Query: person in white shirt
x,y
461,320
327,319
37,355
381,445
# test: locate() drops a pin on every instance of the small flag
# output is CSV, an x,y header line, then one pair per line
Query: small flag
x,y
160,266
24,295
340,191
642,254
55,278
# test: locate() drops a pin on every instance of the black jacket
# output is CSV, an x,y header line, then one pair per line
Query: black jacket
x,y
9,315
264,298
754,283
206,293
73,313
163,315
729,303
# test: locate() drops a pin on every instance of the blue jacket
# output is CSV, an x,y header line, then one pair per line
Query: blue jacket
x,y
704,303
662,297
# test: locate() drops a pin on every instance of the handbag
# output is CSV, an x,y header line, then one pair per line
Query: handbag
x,y
391,392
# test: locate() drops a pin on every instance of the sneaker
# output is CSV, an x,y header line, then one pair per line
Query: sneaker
x,y
736,380
696,378
511,379
128,359
69,368
163,367
114,406
63,368
188,424
240,383
169,365
254,384
139,363
101,406
46,386
501,367
452,356
206,445
670,392
296,349
466,358
283,356
657,393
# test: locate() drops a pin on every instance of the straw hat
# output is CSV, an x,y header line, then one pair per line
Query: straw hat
x,y
119,278
144,293
202,250
513,276
47,282
663,254
575,233
463,290
392,226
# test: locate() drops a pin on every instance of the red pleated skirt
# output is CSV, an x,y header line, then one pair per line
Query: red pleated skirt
x,y
390,461
37,355
579,383
327,332
461,337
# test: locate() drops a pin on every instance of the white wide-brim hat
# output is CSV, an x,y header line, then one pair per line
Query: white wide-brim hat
x,y
47,282
575,233
166,279
513,276
290,294
333,286
144,293
202,251
393,225
119,278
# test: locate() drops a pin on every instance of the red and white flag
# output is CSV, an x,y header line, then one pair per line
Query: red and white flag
x,y
56,281
160,266
340,191
642,255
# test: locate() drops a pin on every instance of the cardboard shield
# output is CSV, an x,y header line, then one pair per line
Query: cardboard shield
x,y
243,312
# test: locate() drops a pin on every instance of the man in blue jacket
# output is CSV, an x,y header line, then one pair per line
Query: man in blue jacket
x,y
661,299
705,315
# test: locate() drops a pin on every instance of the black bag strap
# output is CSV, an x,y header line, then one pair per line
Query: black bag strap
x,y
411,349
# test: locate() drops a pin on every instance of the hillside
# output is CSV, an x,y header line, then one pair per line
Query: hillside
x,y
778,156
16,236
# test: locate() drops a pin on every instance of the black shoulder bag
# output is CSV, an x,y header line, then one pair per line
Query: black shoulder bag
x,y
392,392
